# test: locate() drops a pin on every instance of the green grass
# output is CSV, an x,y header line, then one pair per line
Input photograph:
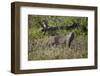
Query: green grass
x,y
40,50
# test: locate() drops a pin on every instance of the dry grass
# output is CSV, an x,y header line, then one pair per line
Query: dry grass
x,y
40,50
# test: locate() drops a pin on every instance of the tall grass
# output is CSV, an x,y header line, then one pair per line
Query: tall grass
x,y
42,51
38,46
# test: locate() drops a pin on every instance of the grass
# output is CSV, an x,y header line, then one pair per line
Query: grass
x,y
38,43
42,51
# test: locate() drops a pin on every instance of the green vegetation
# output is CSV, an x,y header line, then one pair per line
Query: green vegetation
x,y
38,48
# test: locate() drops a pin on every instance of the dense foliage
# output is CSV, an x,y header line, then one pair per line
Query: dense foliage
x,y
35,27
